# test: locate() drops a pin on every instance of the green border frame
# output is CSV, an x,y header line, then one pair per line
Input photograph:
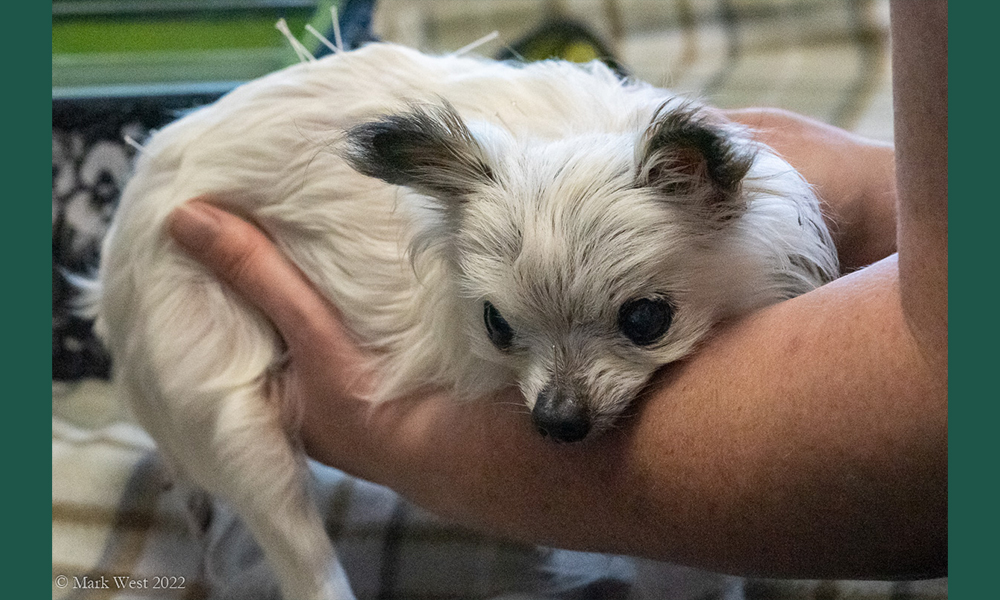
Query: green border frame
x,y
973,502
26,245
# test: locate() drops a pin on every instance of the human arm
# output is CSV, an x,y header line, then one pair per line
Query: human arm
x,y
854,178
806,440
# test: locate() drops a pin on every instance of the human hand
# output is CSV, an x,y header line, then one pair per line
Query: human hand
x,y
653,486
416,445
660,485
325,367
327,373
330,375
853,176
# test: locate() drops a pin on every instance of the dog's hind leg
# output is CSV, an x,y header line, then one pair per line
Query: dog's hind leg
x,y
210,404
267,482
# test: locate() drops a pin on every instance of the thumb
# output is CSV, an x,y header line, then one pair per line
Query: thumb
x,y
242,256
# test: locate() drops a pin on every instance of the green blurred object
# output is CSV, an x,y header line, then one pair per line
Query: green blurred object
x,y
562,39
134,44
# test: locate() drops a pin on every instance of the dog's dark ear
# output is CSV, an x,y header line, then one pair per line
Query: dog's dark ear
x,y
428,148
686,155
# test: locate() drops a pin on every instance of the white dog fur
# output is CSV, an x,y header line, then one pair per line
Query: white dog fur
x,y
555,192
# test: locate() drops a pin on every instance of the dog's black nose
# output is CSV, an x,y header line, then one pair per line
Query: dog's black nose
x,y
559,415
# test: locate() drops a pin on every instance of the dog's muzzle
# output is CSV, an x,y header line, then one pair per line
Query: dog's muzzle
x,y
559,414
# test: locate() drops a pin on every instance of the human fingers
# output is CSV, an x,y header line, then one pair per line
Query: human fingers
x,y
246,259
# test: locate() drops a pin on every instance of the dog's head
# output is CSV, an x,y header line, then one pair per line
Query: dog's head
x,y
591,260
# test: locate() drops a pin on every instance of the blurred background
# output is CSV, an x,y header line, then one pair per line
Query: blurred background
x,y
121,68
823,58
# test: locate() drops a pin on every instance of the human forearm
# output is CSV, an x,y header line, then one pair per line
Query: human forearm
x,y
807,440
721,467
920,96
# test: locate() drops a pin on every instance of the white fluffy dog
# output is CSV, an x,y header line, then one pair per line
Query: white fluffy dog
x,y
478,224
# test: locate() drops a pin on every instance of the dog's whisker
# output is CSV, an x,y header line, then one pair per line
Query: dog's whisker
x,y
517,405
516,411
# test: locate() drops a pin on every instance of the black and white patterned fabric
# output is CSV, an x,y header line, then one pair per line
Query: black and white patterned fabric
x,y
91,161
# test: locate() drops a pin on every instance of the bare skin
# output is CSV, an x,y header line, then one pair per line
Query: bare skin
x,y
806,440
854,177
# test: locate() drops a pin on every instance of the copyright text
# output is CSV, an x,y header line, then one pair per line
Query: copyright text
x,y
119,582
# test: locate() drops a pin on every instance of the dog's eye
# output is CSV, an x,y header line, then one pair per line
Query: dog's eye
x,y
645,320
499,330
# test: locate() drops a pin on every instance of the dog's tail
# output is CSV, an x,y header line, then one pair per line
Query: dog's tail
x,y
85,297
